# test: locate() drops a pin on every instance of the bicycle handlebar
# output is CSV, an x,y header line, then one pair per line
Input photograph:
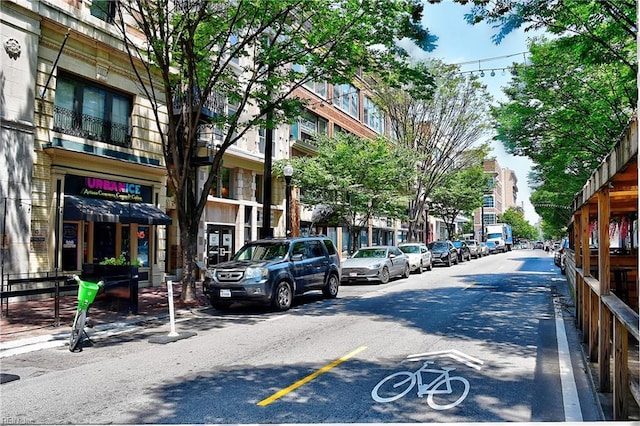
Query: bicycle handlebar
x,y
78,279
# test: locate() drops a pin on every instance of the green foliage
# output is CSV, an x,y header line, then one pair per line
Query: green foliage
x,y
251,55
521,229
440,124
355,177
120,260
567,108
461,192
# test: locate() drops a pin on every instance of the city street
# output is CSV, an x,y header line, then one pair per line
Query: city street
x,y
490,340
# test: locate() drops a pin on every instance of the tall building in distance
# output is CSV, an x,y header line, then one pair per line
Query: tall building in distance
x,y
502,196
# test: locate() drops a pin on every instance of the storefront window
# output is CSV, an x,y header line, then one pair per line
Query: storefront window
x,y
104,241
125,244
70,244
143,246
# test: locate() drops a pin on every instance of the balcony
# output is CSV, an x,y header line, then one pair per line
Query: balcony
x,y
85,126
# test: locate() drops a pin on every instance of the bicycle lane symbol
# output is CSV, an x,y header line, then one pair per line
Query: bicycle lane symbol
x,y
443,390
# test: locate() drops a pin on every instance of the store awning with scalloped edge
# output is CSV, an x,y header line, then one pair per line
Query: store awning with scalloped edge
x,y
96,210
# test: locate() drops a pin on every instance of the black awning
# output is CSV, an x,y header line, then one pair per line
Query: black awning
x,y
96,210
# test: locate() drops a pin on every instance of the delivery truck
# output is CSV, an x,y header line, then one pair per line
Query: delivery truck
x,y
501,235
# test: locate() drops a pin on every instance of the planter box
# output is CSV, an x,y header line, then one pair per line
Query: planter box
x,y
120,286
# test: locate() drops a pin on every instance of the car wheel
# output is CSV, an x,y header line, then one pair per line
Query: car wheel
x,y
384,275
282,296
420,267
448,263
430,267
330,290
407,271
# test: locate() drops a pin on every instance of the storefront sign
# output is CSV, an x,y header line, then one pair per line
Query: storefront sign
x,y
107,189
39,244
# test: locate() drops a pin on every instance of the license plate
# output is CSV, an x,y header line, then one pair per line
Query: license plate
x,y
353,274
225,293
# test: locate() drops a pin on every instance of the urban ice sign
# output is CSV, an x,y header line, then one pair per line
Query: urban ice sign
x,y
105,188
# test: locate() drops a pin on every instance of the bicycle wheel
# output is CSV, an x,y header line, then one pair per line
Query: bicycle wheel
x,y
388,394
446,392
77,329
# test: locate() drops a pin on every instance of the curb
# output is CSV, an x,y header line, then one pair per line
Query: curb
x,y
100,331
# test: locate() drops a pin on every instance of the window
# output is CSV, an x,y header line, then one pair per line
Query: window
x,y
259,188
92,111
373,117
104,9
223,188
345,97
489,219
488,201
308,125
317,87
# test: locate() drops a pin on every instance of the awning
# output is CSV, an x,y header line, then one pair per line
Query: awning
x,y
96,210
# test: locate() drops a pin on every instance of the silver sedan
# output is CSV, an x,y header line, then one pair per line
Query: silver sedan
x,y
378,263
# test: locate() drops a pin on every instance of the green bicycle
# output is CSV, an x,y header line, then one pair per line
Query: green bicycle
x,y
87,292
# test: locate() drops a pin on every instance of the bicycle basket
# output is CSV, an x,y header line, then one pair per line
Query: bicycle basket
x,y
87,293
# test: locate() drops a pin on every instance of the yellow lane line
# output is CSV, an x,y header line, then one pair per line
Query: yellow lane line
x,y
310,377
470,285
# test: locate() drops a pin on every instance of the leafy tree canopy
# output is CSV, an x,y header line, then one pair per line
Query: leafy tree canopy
x,y
521,229
241,61
354,178
460,193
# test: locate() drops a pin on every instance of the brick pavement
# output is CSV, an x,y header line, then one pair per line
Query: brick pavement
x,y
34,318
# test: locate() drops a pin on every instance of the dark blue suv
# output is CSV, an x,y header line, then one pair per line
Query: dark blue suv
x,y
272,271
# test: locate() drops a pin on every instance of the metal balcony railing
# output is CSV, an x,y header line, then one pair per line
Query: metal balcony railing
x,y
72,123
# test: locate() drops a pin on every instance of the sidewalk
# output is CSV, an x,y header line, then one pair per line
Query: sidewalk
x,y
34,320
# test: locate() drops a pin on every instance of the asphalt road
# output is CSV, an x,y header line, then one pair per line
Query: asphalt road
x,y
497,335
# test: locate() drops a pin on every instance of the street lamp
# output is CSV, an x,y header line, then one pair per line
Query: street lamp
x,y
288,172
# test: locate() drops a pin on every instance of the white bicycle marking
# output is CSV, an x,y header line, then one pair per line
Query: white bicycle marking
x,y
440,385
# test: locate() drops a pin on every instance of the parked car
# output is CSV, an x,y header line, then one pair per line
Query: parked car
x,y
493,248
443,252
378,263
273,271
419,256
484,249
538,245
463,250
474,248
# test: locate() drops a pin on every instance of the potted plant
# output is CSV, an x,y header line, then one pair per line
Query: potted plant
x,y
121,281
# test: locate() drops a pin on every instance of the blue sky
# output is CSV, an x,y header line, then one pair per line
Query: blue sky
x,y
459,42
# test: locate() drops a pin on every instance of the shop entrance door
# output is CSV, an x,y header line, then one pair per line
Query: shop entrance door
x,y
220,247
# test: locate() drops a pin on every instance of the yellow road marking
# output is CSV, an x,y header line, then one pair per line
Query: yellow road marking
x,y
470,285
310,377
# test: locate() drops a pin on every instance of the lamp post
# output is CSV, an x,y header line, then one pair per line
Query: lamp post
x,y
288,172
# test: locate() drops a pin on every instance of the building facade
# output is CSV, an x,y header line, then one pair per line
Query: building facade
x,y
502,196
87,177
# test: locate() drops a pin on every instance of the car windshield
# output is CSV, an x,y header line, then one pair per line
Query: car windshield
x,y
439,246
410,249
263,251
458,244
378,253
490,243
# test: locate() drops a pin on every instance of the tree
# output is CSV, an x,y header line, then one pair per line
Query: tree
x,y
520,228
352,179
461,192
565,117
242,61
439,126
569,104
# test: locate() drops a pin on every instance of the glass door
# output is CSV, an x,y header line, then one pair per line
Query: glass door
x,y
220,245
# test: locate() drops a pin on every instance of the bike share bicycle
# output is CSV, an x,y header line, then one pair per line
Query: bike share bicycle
x,y
87,292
